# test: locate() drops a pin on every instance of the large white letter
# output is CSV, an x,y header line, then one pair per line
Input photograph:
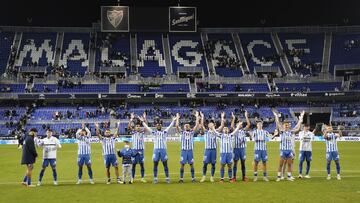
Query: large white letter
x,y
75,45
290,45
145,57
182,61
36,52
220,46
254,58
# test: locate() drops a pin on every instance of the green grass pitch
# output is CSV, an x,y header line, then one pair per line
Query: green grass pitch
x,y
316,189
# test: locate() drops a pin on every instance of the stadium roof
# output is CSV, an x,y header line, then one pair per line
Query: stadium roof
x,y
224,13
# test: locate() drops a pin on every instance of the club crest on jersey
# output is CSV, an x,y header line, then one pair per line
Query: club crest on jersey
x,y
115,17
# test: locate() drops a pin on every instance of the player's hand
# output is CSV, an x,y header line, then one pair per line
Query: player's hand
x,y
118,124
222,115
141,119
144,115
196,114
274,112
132,116
201,114
97,125
246,114
232,115
83,125
302,114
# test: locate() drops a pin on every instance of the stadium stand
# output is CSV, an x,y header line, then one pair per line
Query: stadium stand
x,y
75,50
304,52
344,50
6,42
221,49
113,50
260,51
187,51
150,60
36,49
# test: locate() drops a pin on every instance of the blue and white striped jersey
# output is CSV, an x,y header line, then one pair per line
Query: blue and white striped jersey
x,y
160,139
84,142
240,139
138,140
210,139
286,140
226,145
331,143
187,140
108,145
260,139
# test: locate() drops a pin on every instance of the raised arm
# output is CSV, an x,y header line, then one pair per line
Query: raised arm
x,y
232,126
219,129
325,131
300,121
339,134
146,127
202,125
88,133
172,123
238,126
248,124
215,131
177,125
98,133
116,134
77,134
277,120
132,116
197,121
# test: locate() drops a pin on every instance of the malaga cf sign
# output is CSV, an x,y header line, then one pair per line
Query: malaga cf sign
x,y
115,19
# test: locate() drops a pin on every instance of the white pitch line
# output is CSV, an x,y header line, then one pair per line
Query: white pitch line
x,y
150,178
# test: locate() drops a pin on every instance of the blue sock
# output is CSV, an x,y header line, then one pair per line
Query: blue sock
x,y
300,166
337,167
222,172
155,169
133,170
25,179
230,172
212,169
142,170
80,173
204,169
265,174
90,172
307,167
41,174
328,167
235,170
243,169
54,174
29,181
192,170
181,172
166,169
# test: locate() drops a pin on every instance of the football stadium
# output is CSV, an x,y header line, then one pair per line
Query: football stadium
x,y
179,101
